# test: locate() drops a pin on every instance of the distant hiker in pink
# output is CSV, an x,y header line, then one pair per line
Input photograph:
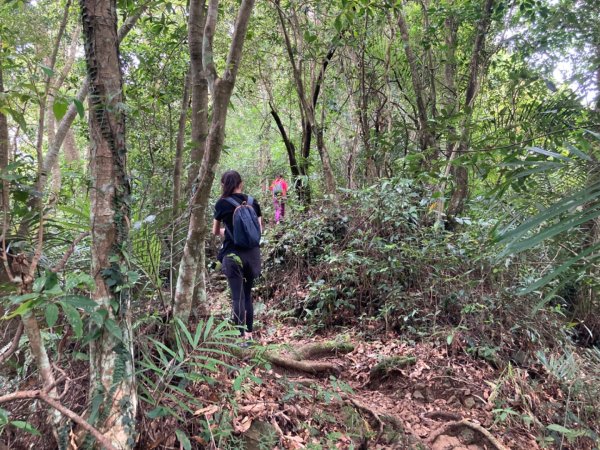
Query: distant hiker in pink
x,y
279,188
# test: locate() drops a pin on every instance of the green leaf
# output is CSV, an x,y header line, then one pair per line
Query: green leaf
x,y
3,416
25,426
113,328
545,152
18,117
561,269
39,283
80,108
159,411
60,107
47,70
73,318
51,314
22,309
80,301
15,299
74,280
183,440
449,339
575,151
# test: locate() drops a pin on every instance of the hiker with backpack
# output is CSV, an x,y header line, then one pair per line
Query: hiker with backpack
x,y
240,253
279,188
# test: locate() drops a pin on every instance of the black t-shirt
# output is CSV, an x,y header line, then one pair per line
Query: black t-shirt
x,y
224,214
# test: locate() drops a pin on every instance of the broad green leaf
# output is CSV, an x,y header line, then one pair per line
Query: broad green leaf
x,y
47,70
80,108
74,280
15,299
113,328
80,301
51,314
25,426
73,318
183,440
60,107
22,309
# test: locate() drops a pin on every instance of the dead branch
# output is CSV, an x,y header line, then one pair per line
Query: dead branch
x,y
472,425
14,345
43,396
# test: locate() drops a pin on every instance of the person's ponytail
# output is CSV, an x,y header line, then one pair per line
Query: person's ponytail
x,y
230,181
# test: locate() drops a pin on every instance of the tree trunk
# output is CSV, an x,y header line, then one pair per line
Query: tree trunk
x,y
65,125
461,175
196,24
4,197
180,144
112,377
221,90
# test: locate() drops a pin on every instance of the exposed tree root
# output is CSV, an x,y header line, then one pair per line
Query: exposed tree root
x,y
321,349
301,360
361,406
472,425
444,415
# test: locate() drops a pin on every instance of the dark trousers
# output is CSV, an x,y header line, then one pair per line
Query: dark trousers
x,y
241,268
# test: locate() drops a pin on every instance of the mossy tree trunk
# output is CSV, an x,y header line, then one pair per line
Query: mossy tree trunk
x,y
111,352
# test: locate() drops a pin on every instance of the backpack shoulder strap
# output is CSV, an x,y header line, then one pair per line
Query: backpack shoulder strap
x,y
232,201
250,200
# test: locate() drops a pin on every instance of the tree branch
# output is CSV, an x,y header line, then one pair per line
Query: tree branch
x,y
207,44
14,345
43,396
237,41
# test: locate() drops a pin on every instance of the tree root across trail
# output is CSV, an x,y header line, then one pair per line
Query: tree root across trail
x,y
303,358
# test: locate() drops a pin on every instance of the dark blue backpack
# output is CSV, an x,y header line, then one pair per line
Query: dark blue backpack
x,y
246,229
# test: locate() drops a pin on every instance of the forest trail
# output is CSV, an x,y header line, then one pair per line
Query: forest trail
x,y
387,393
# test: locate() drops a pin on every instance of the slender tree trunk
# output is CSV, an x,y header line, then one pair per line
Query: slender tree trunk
x,y
4,197
199,92
180,144
426,141
461,175
112,377
221,89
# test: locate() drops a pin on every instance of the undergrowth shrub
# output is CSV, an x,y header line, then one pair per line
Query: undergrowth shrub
x,y
380,258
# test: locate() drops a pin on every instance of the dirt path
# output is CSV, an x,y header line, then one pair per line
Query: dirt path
x,y
386,393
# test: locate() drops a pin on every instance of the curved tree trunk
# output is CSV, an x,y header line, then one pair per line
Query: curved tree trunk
x,y
111,353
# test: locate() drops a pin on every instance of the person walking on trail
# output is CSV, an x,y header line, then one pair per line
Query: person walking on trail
x,y
279,189
240,253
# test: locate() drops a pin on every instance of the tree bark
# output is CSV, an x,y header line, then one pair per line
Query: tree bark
x,y
424,133
221,89
4,197
461,176
180,144
199,88
65,125
308,106
112,377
